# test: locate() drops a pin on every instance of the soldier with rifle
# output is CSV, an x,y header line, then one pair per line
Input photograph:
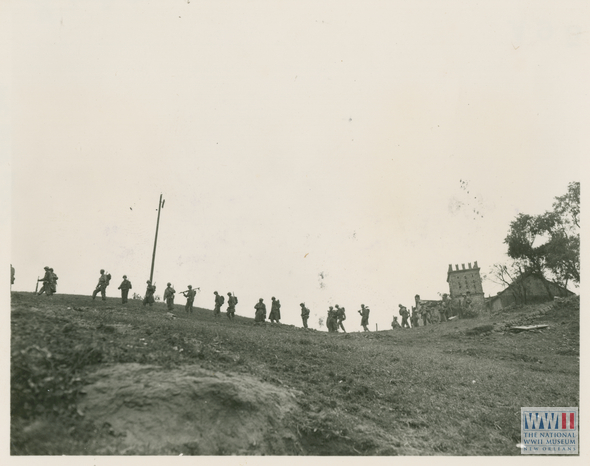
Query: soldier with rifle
x,y
414,318
275,311
232,300
340,317
421,310
190,298
101,287
304,314
169,296
260,316
403,311
425,314
331,320
125,286
219,300
53,283
444,308
467,302
46,288
364,312
149,293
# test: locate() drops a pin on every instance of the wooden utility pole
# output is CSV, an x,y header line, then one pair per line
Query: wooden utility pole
x,y
156,240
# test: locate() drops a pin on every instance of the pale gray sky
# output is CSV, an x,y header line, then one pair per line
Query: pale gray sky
x,y
371,142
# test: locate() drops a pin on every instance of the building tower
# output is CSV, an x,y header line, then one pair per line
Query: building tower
x,y
465,279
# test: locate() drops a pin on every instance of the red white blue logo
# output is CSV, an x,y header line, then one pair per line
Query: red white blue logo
x,y
546,431
544,420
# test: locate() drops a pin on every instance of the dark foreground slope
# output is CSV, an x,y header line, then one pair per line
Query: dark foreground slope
x,y
92,378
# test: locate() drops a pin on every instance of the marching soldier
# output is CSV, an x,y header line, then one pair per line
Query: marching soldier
x,y
426,315
102,284
169,296
125,286
419,310
466,310
190,298
219,300
331,320
231,306
304,314
445,307
53,283
364,312
418,306
403,311
46,288
340,317
275,311
149,293
414,318
260,316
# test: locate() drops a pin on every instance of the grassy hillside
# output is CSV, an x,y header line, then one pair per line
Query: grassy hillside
x,y
92,377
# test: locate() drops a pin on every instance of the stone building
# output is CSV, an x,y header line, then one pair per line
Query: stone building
x,y
529,288
465,280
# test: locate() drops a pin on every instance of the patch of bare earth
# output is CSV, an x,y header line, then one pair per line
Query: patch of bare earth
x,y
187,410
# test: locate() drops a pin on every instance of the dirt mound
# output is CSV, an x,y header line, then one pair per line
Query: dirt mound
x,y
188,410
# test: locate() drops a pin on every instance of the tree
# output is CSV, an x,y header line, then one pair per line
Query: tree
x,y
549,243
562,251
562,257
568,206
521,238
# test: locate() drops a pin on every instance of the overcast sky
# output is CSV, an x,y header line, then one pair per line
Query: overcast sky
x,y
327,152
